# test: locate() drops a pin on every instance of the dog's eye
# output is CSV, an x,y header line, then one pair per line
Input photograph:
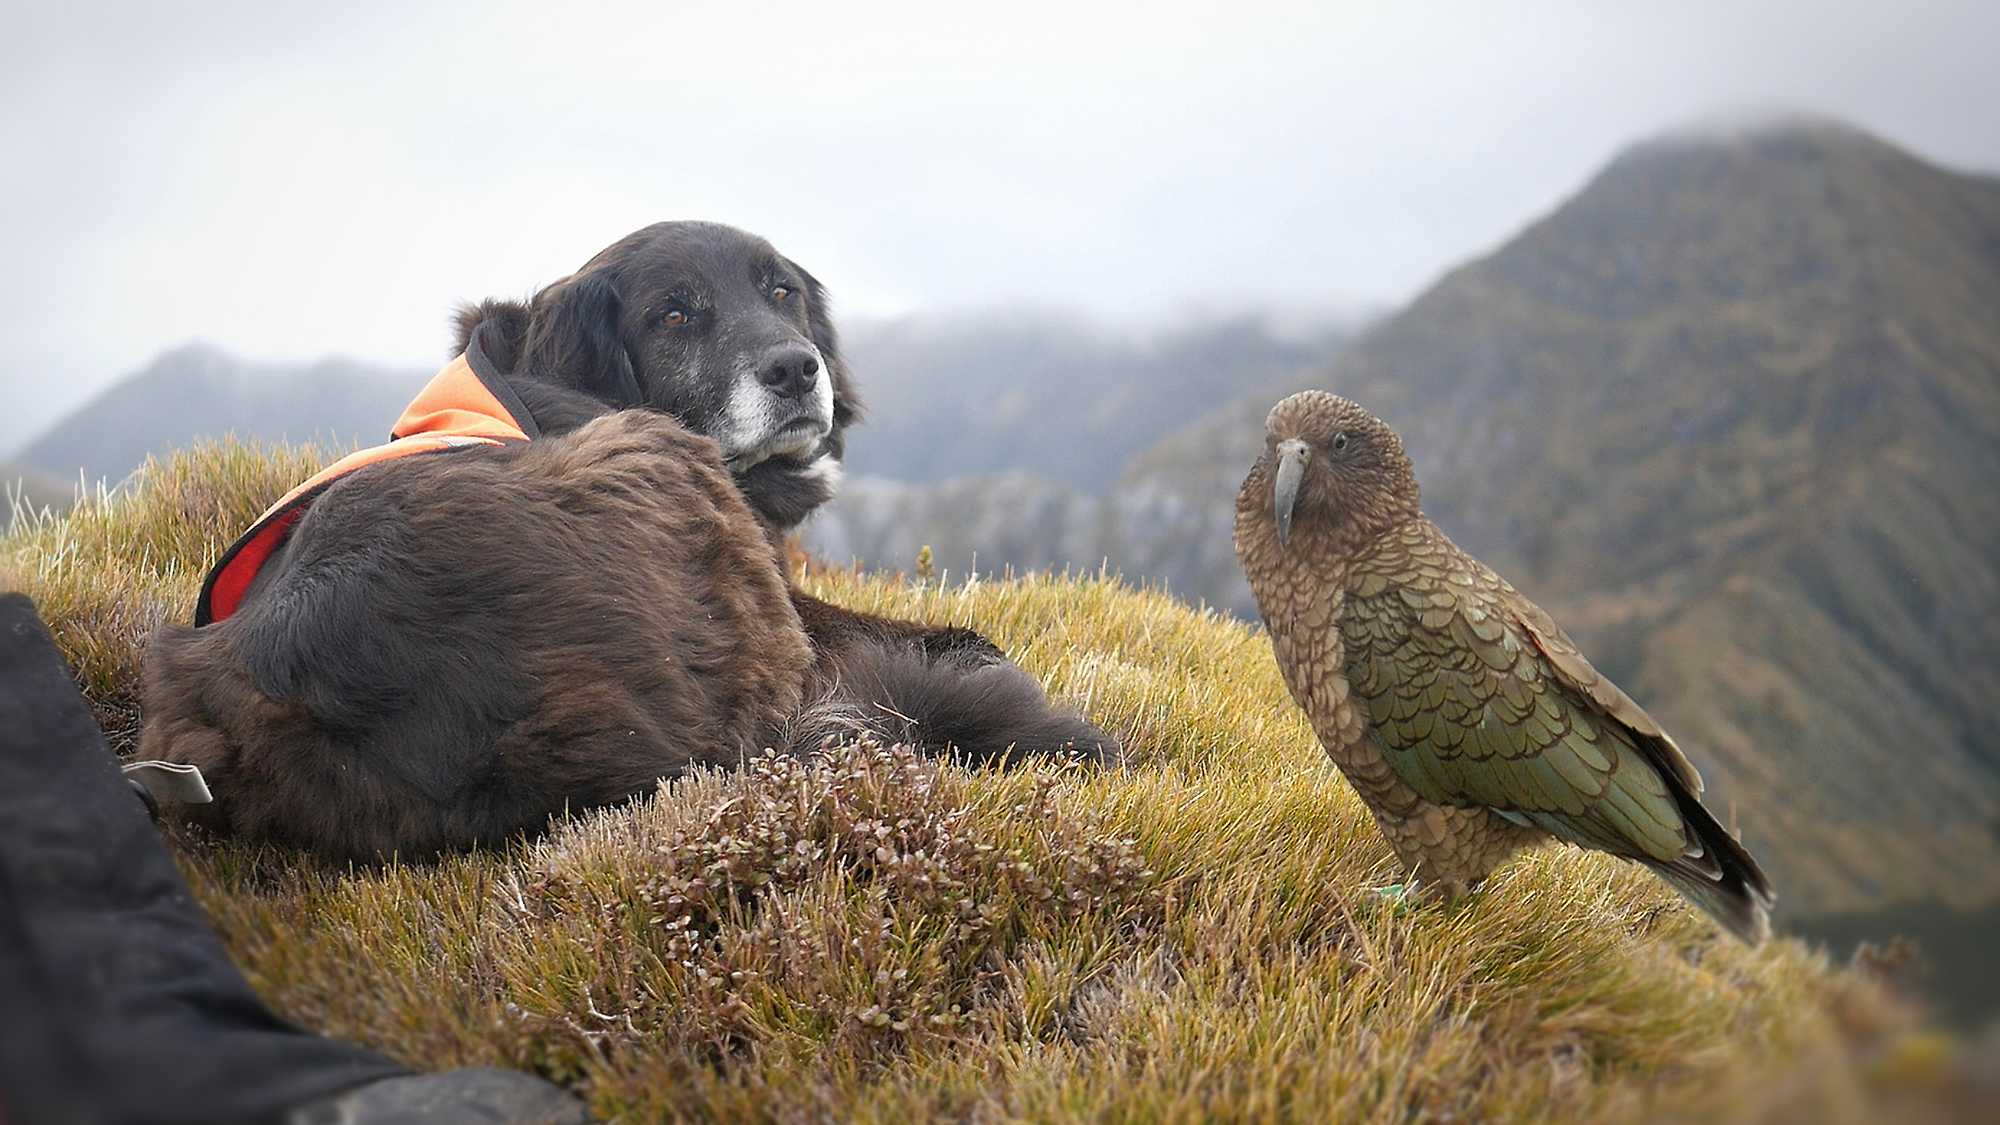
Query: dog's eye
x,y
780,292
675,318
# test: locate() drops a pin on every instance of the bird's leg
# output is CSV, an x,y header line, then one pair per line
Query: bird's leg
x,y
1408,892
1399,895
1417,888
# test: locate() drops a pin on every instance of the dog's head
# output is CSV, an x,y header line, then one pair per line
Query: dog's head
x,y
706,323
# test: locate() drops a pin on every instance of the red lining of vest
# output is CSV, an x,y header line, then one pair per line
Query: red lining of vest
x,y
446,409
231,578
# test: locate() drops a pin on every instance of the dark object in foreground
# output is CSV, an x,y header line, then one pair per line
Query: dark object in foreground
x,y
117,1000
1464,717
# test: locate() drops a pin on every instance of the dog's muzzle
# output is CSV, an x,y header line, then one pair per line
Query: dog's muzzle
x,y
763,423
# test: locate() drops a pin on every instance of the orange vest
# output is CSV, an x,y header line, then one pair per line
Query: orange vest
x,y
466,405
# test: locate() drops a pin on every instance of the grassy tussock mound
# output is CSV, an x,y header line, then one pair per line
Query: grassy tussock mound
x,y
870,936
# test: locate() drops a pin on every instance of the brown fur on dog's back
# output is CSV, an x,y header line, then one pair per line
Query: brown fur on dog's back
x,y
456,646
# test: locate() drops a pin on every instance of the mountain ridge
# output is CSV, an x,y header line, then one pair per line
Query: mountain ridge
x,y
957,395
196,390
1726,411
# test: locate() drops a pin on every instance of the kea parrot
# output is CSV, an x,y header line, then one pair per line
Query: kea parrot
x,y
1464,717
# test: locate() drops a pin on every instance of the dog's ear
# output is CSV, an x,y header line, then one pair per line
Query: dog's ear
x,y
573,337
505,324
819,316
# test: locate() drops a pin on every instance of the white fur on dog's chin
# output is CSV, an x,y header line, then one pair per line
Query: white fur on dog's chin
x,y
827,471
752,416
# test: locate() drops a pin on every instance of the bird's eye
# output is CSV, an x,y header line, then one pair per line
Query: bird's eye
x,y
675,318
780,292
1340,442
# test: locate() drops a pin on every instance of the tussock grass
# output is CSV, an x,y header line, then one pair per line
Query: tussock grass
x,y
123,560
873,937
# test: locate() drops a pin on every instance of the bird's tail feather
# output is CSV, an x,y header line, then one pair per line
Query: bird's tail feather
x,y
1724,879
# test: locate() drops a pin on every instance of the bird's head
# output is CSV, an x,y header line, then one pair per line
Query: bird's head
x,y
1332,466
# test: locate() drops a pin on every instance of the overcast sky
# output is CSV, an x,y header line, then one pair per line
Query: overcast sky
x,y
289,181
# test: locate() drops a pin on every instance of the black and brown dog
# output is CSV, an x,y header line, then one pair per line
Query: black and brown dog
x,y
446,650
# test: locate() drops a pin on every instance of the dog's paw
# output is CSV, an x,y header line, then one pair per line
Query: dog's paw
x,y
1081,740
1057,738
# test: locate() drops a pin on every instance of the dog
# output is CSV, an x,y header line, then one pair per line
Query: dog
x,y
566,580
702,322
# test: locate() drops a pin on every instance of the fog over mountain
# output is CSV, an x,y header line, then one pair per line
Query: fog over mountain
x,y
1057,396
948,396
296,180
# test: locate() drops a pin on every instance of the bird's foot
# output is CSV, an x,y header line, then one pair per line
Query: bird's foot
x,y
1401,896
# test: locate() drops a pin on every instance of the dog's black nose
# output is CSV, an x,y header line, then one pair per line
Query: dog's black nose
x,y
790,370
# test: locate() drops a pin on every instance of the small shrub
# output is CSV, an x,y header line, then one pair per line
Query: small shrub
x,y
860,896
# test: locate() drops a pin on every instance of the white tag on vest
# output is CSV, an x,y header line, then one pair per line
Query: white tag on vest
x,y
171,781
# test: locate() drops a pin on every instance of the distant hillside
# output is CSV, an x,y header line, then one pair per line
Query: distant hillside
x,y
34,487
991,523
198,391
952,396
1002,439
949,396
1165,534
1733,414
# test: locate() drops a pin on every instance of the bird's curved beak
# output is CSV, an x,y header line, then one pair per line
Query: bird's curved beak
x,y
1292,458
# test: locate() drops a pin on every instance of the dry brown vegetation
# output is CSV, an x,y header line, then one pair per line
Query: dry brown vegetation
x,y
871,936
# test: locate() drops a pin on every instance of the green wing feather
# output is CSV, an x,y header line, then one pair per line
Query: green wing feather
x,y
1476,698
